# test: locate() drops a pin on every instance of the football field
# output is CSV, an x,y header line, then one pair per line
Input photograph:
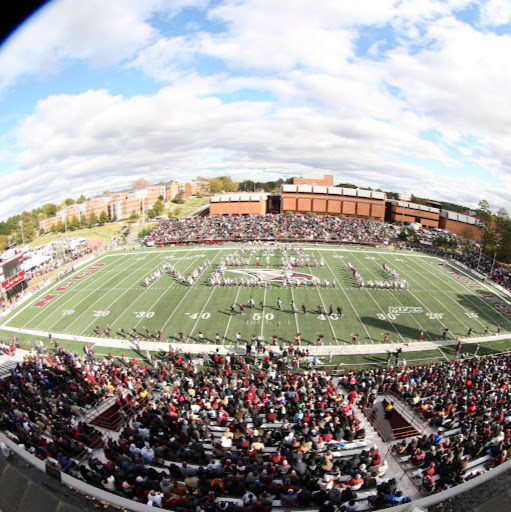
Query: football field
x,y
110,293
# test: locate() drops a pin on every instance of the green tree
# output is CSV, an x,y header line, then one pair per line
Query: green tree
x,y
49,209
103,217
74,224
503,229
151,214
69,201
403,236
247,186
134,215
215,186
60,227
4,242
228,185
93,219
180,198
81,199
158,207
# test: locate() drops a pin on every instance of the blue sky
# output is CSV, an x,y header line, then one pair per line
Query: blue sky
x,y
402,95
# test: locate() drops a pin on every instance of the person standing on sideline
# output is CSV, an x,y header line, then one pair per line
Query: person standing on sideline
x,y
421,335
458,347
331,310
469,333
233,309
386,337
238,337
304,309
339,311
444,334
354,338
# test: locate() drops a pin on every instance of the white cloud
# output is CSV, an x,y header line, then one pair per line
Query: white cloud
x,y
97,31
496,12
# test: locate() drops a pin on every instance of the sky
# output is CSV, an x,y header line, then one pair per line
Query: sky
x,y
403,95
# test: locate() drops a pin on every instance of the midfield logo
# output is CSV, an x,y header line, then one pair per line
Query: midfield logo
x,y
264,274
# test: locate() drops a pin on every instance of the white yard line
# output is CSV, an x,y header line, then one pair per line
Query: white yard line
x,y
72,294
440,321
113,302
451,299
368,292
182,299
211,293
443,321
348,299
324,304
169,288
490,290
263,314
230,316
294,314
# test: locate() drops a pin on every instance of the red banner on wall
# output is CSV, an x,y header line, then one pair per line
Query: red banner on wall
x,y
13,280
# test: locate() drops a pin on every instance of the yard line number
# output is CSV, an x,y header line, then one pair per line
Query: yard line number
x,y
144,314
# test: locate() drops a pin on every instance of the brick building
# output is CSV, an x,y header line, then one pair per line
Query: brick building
x,y
315,180
401,211
335,201
459,224
239,204
171,190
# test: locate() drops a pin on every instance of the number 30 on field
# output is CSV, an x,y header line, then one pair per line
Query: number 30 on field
x,y
144,314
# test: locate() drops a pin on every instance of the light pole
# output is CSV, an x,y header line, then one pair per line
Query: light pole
x,y
20,223
67,237
493,264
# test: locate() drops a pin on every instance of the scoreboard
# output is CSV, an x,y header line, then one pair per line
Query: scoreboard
x,y
11,273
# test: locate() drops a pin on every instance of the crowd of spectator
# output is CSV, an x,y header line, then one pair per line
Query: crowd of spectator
x,y
268,227
197,436
467,398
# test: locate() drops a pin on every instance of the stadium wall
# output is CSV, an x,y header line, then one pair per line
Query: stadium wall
x,y
335,201
459,224
401,211
238,204
326,180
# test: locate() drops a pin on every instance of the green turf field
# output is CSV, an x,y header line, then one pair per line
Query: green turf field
x,y
111,292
